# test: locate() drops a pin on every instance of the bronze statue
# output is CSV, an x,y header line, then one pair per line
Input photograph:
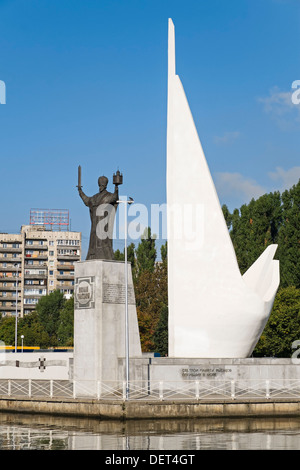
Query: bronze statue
x,y
103,207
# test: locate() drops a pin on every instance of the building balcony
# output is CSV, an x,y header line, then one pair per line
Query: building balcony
x,y
69,246
35,246
8,288
65,267
36,256
35,284
33,296
9,308
9,298
10,278
35,276
10,260
39,265
29,306
68,257
65,277
10,250
9,271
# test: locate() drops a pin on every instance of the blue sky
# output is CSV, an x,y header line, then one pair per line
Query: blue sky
x,y
86,83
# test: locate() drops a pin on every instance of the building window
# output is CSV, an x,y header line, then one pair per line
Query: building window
x,y
31,301
69,252
68,242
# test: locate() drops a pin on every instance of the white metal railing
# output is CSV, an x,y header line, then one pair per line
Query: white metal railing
x,y
271,389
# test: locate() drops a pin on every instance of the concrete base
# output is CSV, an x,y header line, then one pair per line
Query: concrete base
x,y
36,366
59,366
168,369
99,322
152,410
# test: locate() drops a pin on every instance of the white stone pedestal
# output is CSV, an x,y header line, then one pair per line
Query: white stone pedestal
x,y
99,323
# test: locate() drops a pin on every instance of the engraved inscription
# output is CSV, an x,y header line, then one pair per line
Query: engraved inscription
x,y
195,372
84,292
115,294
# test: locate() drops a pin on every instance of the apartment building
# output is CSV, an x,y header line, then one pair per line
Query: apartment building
x,y
34,263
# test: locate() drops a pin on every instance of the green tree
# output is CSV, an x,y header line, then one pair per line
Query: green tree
x,y
65,331
227,216
48,310
164,252
272,218
146,252
120,256
161,333
255,226
7,330
289,238
283,326
33,331
151,291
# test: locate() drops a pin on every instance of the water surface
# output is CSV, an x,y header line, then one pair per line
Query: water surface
x,y
37,432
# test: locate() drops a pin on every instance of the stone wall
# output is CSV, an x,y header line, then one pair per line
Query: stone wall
x,y
181,370
37,365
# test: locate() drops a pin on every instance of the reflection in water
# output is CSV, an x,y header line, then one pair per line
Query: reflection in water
x,y
52,433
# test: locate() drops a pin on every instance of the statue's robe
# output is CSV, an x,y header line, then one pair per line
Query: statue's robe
x,y
103,206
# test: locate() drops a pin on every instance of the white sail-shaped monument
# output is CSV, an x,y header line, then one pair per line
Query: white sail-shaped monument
x,y
214,311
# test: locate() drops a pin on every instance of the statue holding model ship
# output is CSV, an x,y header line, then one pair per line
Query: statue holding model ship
x,y
103,206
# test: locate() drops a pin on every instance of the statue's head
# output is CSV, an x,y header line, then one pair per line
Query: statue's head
x,y
102,182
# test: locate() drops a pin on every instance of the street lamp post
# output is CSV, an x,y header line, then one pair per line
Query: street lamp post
x,y
125,202
16,319
22,338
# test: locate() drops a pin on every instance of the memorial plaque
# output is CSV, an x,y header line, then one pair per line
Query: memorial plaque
x,y
115,294
84,292
196,372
